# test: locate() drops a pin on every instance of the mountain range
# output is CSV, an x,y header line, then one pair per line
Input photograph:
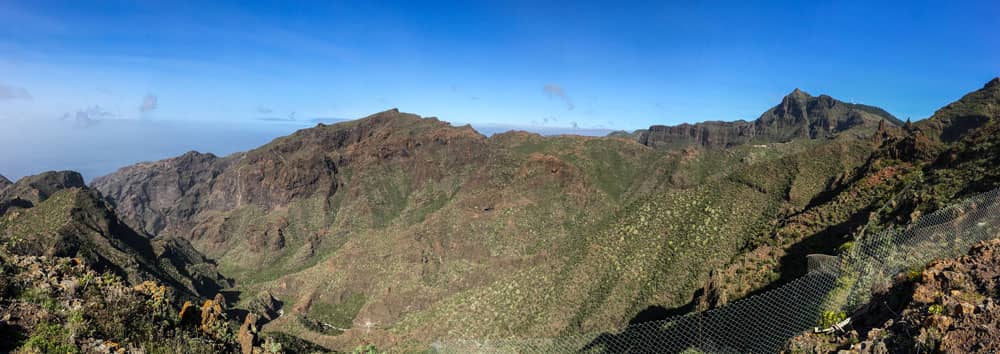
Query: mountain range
x,y
400,231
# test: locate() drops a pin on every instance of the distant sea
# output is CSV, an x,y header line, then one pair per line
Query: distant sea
x,y
102,147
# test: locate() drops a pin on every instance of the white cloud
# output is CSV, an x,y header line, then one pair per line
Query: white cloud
x,y
88,117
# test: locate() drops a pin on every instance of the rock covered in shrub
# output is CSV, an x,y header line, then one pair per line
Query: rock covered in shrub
x,y
59,305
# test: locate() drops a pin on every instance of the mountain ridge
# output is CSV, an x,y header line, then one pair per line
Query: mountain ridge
x,y
415,224
799,115
395,181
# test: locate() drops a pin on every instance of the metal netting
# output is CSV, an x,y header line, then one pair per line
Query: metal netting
x,y
763,323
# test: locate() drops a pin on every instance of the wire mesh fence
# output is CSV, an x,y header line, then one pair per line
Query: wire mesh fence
x,y
763,323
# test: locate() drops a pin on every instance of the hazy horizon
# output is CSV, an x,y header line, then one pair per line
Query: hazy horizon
x,y
98,147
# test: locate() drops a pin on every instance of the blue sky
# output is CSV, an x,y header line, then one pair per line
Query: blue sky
x,y
93,87
588,64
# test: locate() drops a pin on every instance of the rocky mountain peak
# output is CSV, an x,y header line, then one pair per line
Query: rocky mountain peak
x,y
4,182
799,115
995,83
797,95
39,187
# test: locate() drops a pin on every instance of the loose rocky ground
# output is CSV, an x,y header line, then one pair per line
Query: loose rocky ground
x,y
952,306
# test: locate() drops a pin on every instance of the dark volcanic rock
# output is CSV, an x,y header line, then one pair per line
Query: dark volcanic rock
x,y
707,134
798,116
171,190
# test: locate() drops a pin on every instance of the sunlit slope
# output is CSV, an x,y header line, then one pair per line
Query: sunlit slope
x,y
405,230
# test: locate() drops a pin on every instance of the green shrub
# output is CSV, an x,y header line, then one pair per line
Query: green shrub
x,y
50,338
935,309
366,349
845,247
831,318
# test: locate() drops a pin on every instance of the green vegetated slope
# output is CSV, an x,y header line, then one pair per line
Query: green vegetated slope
x,y
73,278
915,170
656,250
402,230
54,214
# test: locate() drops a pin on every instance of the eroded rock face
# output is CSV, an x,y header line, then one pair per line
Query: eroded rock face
x,y
707,134
189,196
170,190
799,115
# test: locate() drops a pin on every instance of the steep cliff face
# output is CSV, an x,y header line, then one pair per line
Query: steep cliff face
x,y
799,115
707,134
171,191
4,182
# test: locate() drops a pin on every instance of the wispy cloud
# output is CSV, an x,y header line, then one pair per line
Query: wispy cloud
x,y
149,103
13,93
556,91
88,117
264,110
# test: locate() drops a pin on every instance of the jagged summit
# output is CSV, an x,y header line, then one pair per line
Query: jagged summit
x,y
4,182
799,115
797,94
